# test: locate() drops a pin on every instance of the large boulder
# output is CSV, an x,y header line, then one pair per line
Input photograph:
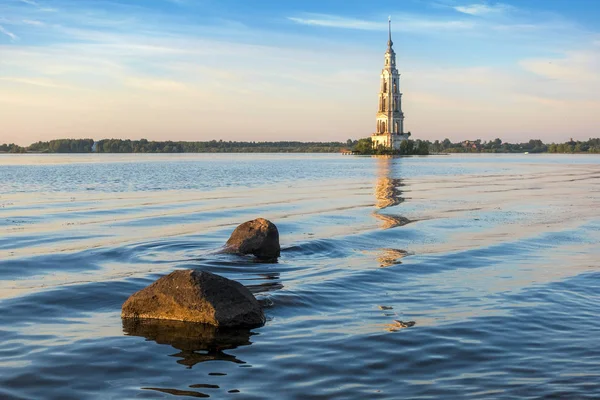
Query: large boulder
x,y
196,296
259,237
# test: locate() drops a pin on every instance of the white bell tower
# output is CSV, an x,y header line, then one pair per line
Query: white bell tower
x,y
390,118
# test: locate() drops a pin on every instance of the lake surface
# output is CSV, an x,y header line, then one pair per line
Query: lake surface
x,y
496,258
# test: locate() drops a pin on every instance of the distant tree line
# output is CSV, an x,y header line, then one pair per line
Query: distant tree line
x,y
12,148
63,146
362,146
146,146
215,146
498,146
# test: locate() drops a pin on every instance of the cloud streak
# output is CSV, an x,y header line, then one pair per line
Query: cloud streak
x,y
33,22
331,21
484,9
35,82
401,23
11,35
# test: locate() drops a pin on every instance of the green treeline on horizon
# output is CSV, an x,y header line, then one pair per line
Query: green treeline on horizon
x,y
362,146
591,145
145,146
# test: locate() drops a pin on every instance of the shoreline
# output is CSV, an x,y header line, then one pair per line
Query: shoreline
x,y
290,152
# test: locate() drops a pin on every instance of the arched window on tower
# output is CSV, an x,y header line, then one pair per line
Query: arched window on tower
x,y
383,108
397,130
395,103
382,126
385,87
395,87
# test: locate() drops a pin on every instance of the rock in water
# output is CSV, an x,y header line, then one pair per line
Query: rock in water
x,y
196,296
403,324
259,237
397,325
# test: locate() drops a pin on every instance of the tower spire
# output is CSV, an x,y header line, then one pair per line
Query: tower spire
x,y
390,43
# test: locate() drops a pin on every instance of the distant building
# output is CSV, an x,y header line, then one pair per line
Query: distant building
x,y
390,118
95,147
471,144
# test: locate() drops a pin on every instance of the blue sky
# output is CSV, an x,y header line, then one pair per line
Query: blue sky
x,y
296,70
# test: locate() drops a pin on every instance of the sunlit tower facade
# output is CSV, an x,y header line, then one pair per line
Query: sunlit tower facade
x,y
390,118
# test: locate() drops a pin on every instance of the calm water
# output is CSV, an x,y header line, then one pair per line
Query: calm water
x,y
496,259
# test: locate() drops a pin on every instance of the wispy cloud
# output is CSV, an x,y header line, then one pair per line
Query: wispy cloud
x,y
35,82
332,21
484,9
30,2
11,35
33,22
402,23
576,67
161,85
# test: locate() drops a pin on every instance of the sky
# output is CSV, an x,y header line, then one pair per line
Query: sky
x,y
303,70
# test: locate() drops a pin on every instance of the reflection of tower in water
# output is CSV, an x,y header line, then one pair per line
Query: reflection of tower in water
x,y
388,193
387,189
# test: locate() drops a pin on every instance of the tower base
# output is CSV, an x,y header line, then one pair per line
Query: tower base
x,y
388,140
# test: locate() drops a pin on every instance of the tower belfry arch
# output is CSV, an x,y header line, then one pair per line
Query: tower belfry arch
x,y
390,118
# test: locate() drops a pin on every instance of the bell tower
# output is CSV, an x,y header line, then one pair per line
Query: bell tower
x,y
390,118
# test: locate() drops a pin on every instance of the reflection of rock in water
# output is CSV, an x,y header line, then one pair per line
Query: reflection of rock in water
x,y
176,392
389,257
197,342
271,283
387,190
391,221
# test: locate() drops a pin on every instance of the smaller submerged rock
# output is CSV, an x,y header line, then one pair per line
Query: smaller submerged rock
x,y
259,237
403,324
196,296
397,325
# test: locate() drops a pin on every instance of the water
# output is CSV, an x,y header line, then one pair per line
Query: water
x,y
495,258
